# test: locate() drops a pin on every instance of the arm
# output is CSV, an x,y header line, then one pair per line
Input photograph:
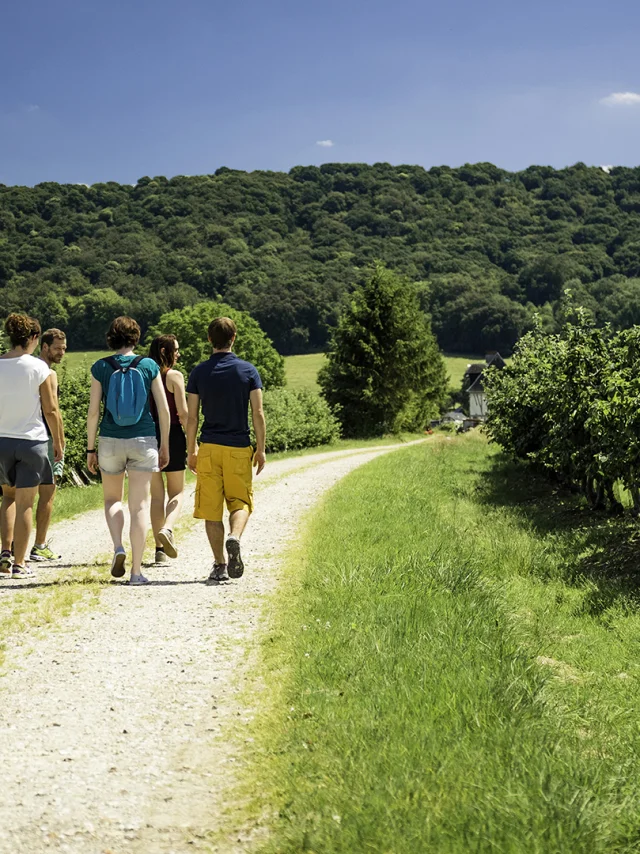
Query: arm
x,y
259,428
175,383
93,416
164,419
51,411
192,430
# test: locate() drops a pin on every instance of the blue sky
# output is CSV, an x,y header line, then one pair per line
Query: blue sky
x,y
94,91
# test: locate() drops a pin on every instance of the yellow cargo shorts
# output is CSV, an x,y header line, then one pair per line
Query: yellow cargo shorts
x,y
224,475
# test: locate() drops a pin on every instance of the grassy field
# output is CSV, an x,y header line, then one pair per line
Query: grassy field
x,y
452,667
302,371
78,361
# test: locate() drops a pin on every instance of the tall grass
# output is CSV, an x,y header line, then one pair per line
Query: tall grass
x,y
444,673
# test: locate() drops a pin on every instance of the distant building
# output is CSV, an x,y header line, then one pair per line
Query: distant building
x,y
473,385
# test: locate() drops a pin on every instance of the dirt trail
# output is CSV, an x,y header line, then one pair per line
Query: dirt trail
x,y
120,733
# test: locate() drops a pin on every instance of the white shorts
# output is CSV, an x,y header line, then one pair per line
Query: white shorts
x,y
118,455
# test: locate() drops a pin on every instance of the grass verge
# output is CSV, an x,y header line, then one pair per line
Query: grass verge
x,y
455,661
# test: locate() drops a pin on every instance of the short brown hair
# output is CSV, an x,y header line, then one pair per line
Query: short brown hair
x,y
221,332
163,351
123,332
21,328
51,335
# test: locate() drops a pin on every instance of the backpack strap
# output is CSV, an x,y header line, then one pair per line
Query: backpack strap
x,y
112,362
136,362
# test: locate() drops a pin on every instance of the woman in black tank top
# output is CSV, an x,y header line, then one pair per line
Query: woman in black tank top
x,y
166,500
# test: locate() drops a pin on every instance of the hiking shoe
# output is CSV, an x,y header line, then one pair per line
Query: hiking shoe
x,y
5,564
169,544
219,573
235,567
117,565
18,571
43,553
161,557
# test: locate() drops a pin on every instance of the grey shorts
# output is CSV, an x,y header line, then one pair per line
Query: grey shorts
x,y
56,468
24,463
118,455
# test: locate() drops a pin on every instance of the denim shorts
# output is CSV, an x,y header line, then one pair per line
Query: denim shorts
x,y
118,455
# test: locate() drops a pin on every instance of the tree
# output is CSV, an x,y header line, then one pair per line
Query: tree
x,y
190,326
384,371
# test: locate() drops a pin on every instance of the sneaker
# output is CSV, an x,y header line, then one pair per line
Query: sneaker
x,y
5,564
138,580
117,565
161,557
169,544
18,571
43,553
219,573
235,566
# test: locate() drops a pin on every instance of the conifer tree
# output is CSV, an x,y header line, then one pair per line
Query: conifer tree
x,y
384,370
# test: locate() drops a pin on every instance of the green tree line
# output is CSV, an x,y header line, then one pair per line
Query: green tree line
x,y
488,247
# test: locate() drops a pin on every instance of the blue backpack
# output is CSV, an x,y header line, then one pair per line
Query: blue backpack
x,y
127,395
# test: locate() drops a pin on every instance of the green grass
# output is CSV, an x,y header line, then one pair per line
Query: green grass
x,y
452,668
456,366
77,361
302,371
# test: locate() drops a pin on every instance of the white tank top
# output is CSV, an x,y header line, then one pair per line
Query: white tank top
x,y
20,409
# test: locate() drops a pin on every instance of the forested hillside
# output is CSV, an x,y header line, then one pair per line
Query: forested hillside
x,y
489,247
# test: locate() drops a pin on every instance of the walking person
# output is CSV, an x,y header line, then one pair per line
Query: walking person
x,y
27,400
166,505
225,386
53,346
127,440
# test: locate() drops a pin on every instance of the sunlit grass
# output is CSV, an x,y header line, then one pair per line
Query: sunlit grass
x,y
451,668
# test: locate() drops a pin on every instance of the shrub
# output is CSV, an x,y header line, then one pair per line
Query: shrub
x,y
570,404
75,389
298,419
190,326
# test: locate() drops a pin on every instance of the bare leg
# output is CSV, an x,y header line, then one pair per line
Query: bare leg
x,y
157,505
139,491
46,494
24,522
215,533
238,522
175,497
7,516
112,489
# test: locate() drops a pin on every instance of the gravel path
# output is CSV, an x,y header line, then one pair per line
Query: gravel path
x,y
120,732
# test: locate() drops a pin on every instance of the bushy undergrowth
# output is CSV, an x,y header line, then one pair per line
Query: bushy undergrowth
x,y
570,404
297,420
443,679
75,388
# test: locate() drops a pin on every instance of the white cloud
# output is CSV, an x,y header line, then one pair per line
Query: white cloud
x,y
621,99
325,143
32,108
607,169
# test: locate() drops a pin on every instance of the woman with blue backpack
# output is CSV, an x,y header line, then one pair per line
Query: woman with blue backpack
x,y
127,442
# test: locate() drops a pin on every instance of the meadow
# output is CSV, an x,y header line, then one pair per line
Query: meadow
x,y
451,667
302,371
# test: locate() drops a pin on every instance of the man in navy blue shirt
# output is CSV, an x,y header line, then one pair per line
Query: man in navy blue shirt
x,y
225,386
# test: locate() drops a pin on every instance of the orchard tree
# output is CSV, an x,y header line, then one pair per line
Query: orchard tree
x,y
190,326
384,371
